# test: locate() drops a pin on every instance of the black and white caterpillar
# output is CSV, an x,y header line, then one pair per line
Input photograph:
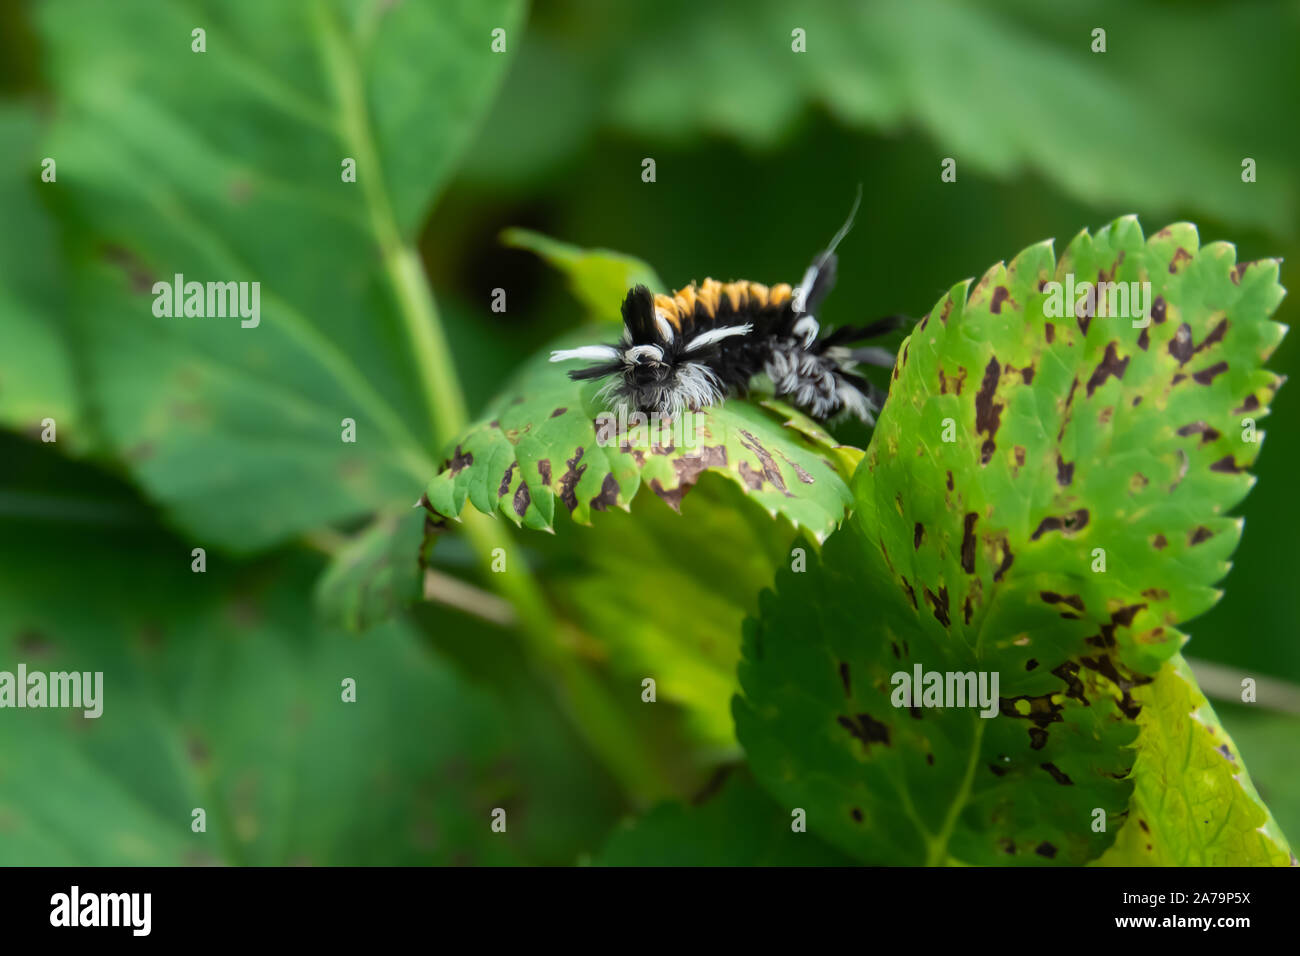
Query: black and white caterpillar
x,y
690,349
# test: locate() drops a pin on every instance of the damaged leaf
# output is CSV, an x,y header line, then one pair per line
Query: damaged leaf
x,y
550,445
1045,498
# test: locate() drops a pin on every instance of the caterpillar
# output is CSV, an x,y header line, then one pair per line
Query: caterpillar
x,y
692,348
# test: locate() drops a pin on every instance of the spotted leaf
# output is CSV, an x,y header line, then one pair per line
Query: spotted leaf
x,y
1045,498
541,442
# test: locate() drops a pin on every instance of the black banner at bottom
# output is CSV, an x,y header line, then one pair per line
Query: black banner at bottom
x,y
219,905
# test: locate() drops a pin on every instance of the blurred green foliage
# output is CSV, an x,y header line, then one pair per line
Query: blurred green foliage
x,y
226,167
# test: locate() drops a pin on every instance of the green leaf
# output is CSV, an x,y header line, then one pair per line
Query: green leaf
x,y
1266,740
221,691
665,595
1194,803
1044,499
598,278
226,166
740,826
219,694
1152,140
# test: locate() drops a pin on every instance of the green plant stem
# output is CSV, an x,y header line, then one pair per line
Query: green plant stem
x,y
587,703
444,401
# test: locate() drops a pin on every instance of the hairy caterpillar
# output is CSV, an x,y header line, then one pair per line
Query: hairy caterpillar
x,y
690,349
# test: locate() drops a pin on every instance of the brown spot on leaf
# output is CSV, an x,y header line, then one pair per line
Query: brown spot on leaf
x,y
1181,346
918,534
544,470
1198,534
1000,295
1043,709
1057,774
460,460
968,542
802,475
608,494
1207,432
1215,336
1065,412
522,499
569,480
953,384
505,479
1207,375
988,413
866,729
1069,523
1111,366
770,471
1064,471
1073,600
940,604
1068,672
752,477
1227,465
1007,559
1159,310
